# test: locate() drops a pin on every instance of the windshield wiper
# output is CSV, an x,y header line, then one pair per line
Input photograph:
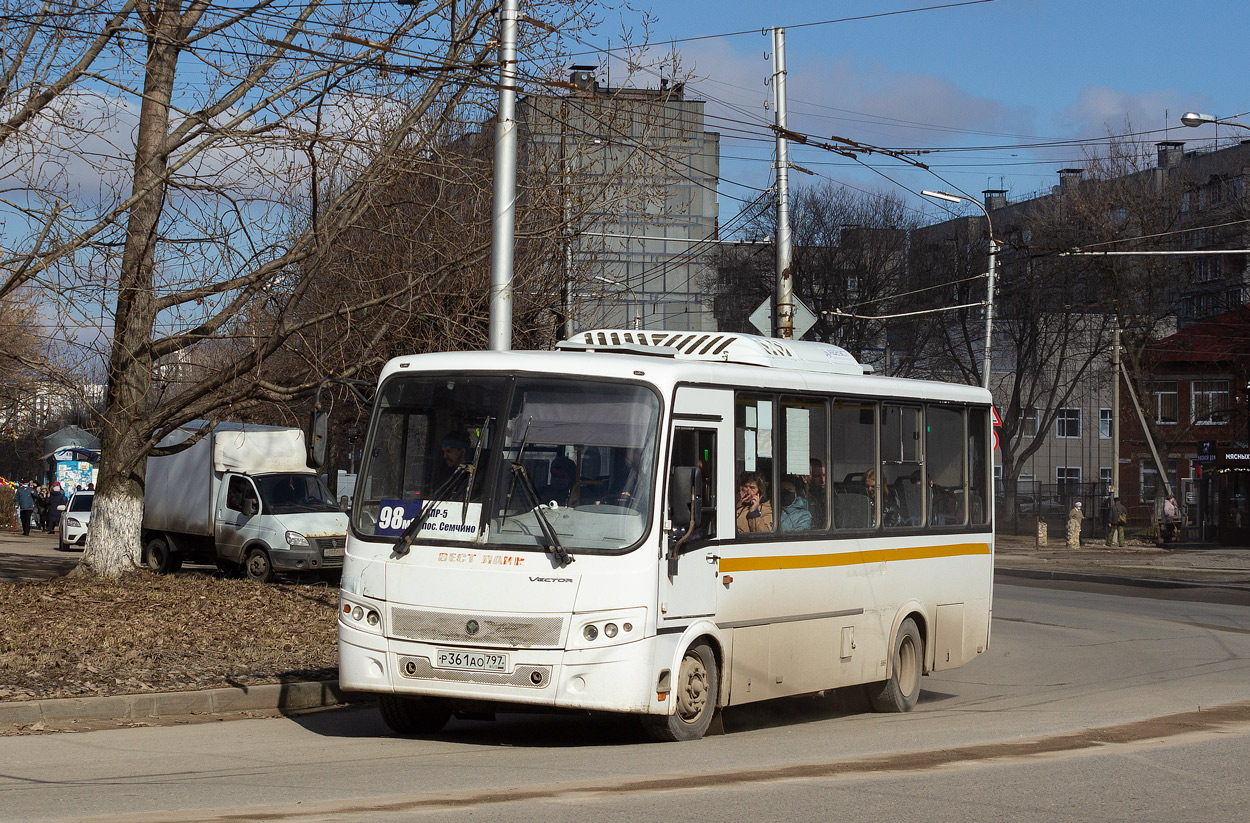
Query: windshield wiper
x,y
554,548
404,543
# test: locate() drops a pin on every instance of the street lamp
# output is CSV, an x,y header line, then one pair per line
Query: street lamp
x,y
632,293
1195,119
991,275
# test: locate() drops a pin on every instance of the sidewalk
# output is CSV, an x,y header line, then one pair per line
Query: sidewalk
x,y
1138,564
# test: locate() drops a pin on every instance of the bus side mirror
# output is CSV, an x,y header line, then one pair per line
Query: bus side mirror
x,y
318,438
685,496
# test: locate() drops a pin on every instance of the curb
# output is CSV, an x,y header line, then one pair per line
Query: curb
x,y
266,696
1118,580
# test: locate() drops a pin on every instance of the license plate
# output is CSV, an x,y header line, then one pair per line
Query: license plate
x,y
337,551
474,661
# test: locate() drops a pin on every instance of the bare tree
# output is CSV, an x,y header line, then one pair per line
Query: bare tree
x,y
849,260
171,188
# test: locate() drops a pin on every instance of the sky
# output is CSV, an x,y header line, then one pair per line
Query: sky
x,y
983,84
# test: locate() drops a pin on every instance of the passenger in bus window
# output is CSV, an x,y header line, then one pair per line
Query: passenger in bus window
x,y
816,493
755,511
795,515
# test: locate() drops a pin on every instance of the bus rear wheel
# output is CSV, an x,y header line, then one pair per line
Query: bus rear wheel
x,y
695,693
414,715
901,692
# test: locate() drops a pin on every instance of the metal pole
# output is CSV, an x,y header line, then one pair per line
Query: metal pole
x,y
1115,418
992,277
784,320
1150,441
567,216
503,217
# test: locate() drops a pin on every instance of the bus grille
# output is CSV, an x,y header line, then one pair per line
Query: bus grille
x,y
516,632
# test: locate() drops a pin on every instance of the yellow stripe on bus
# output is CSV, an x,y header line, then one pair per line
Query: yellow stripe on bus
x,y
819,561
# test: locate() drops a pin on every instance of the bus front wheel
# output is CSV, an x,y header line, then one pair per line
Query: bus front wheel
x,y
902,690
414,715
695,693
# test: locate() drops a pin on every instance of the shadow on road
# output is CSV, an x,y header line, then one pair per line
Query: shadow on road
x,y
15,567
576,729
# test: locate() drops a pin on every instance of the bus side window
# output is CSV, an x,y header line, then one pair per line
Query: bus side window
x,y
697,447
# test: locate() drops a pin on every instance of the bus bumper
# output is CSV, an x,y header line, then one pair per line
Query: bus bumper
x,y
618,678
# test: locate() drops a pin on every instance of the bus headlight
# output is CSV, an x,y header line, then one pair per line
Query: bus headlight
x,y
598,629
360,615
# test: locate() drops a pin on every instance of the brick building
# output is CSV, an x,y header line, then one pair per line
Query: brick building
x,y
1197,402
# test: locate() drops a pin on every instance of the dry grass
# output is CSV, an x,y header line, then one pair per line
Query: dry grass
x,y
72,638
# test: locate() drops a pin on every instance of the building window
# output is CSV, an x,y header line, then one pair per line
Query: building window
x,y
1026,484
1068,423
1210,268
1104,423
1165,393
1104,476
1150,484
1210,402
1028,423
1069,479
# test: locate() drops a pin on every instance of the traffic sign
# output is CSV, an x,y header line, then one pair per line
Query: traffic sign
x,y
804,318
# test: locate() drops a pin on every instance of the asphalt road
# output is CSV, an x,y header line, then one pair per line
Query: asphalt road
x,y
1006,737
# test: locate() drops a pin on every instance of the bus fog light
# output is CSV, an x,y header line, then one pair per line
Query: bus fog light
x,y
590,632
536,678
357,613
610,630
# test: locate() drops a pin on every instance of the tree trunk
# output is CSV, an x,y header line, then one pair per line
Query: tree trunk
x,y
113,541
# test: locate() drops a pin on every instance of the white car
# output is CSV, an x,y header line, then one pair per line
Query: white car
x,y
74,520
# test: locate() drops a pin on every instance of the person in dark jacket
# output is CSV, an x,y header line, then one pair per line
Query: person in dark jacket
x,y
56,499
24,498
41,507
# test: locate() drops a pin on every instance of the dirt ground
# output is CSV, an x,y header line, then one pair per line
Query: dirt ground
x,y
70,637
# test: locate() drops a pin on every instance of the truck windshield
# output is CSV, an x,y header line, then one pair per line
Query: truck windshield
x,y
294,493
479,453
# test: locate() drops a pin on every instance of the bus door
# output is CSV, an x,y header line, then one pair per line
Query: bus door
x,y
689,559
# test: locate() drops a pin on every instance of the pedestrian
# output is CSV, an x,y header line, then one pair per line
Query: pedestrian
x,y
41,507
24,497
56,499
1168,532
1117,518
1074,525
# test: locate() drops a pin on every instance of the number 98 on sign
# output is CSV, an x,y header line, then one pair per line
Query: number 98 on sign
x,y
395,515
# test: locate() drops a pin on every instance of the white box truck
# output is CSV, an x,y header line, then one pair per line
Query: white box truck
x,y
244,498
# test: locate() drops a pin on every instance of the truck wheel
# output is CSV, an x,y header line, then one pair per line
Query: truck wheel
x,y
257,567
414,715
159,558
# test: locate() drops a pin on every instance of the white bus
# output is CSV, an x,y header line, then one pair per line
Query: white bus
x,y
563,529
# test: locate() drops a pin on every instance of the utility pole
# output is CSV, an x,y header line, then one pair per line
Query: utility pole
x,y
784,319
503,211
1115,417
566,170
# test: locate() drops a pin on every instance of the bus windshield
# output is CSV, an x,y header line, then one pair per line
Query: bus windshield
x,y
522,462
